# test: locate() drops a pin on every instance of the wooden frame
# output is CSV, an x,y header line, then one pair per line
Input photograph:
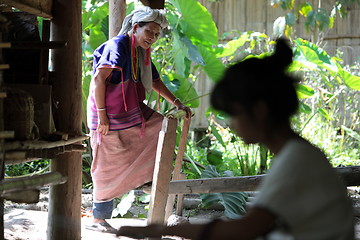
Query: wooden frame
x,y
41,8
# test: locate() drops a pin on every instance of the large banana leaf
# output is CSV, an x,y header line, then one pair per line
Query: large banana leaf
x,y
213,67
233,202
196,22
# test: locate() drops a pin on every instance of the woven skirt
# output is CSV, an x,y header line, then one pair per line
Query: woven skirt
x,y
124,160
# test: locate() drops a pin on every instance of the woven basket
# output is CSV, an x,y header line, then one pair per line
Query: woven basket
x,y
19,114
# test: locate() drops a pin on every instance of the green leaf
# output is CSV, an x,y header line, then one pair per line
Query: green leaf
x,y
303,107
214,157
305,8
217,135
97,37
213,67
231,47
350,80
197,23
233,202
322,18
324,113
173,85
304,91
351,133
290,19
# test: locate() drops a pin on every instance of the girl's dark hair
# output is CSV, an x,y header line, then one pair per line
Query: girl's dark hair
x,y
141,24
253,80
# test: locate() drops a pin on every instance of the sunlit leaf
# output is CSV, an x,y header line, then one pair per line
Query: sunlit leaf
x,y
213,67
197,22
304,91
279,26
324,113
233,45
305,8
217,135
350,80
304,108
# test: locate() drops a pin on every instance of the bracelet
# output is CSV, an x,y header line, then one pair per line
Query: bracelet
x,y
101,109
176,99
205,233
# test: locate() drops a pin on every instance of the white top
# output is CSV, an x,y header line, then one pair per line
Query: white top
x,y
306,194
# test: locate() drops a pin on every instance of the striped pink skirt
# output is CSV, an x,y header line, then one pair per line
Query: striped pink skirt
x,y
124,160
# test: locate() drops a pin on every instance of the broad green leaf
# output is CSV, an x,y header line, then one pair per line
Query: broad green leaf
x,y
213,67
290,19
197,22
233,45
214,157
173,85
191,51
350,80
97,37
304,91
305,8
322,18
233,202
186,91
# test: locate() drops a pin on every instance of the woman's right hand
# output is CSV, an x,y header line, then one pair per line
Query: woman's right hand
x,y
103,125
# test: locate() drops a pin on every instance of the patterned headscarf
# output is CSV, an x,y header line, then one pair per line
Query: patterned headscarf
x,y
144,14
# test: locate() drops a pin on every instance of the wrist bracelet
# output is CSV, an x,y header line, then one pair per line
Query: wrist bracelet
x,y
206,231
176,99
101,109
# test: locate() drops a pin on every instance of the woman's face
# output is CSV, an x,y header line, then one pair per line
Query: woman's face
x,y
146,35
250,127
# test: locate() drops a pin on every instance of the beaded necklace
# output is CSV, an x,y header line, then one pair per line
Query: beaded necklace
x,y
135,59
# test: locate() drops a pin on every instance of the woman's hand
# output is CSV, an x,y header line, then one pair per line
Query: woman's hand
x,y
181,106
103,125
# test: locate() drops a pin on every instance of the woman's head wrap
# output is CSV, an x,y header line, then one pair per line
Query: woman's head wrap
x,y
143,14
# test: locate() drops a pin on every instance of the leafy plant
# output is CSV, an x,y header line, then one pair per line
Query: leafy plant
x,y
233,202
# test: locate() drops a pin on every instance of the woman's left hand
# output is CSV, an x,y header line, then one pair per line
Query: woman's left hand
x,y
181,106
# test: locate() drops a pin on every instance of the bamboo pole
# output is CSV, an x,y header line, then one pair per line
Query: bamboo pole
x,y
117,13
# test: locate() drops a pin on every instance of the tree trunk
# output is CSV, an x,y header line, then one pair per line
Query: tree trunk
x,y
64,221
117,13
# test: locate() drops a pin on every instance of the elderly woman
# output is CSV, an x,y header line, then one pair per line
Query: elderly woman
x,y
123,129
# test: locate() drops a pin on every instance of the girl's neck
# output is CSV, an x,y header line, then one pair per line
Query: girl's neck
x,y
279,138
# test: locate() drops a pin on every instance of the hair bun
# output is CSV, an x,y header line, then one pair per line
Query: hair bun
x,y
283,53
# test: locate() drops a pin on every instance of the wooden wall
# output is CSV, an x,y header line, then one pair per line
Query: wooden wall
x,y
259,15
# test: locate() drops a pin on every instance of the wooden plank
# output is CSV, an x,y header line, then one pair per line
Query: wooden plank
x,y
41,8
180,199
162,171
23,196
350,175
32,182
42,144
7,134
4,66
178,165
34,45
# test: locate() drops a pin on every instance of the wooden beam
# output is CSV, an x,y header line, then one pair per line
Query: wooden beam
x,y
350,175
41,8
162,171
42,144
33,45
23,196
33,182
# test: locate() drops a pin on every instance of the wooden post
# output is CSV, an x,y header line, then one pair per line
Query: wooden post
x,y
162,171
117,13
64,219
178,165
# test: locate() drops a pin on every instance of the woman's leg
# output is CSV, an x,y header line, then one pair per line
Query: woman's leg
x,y
102,211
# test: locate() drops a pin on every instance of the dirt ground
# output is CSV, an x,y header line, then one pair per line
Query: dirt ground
x,y
29,221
